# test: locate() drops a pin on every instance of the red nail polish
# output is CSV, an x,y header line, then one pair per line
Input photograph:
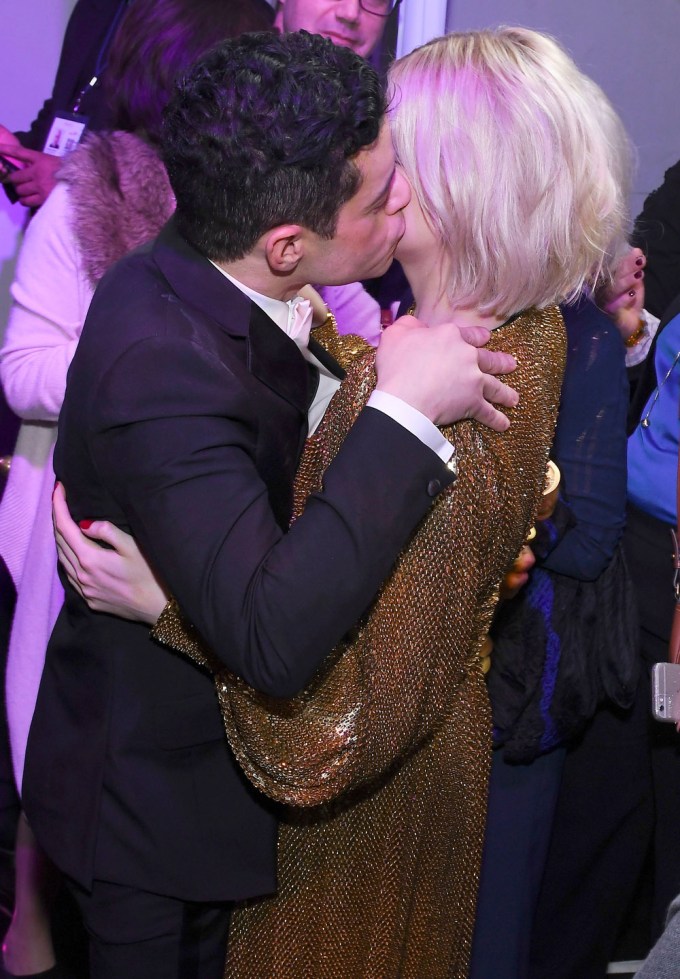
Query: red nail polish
x,y
639,261
85,524
638,275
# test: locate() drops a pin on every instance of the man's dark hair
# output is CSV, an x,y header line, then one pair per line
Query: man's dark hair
x,y
157,42
262,132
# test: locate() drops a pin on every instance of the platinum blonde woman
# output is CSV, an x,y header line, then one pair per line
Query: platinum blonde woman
x,y
517,165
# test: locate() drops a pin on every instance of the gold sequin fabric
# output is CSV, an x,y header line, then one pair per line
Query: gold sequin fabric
x,y
383,760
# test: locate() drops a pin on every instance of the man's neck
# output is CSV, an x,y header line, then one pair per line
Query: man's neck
x,y
251,273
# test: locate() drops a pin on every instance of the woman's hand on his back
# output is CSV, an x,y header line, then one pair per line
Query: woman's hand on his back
x,y
115,578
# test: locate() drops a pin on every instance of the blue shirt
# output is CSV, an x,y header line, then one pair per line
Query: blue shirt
x,y
653,447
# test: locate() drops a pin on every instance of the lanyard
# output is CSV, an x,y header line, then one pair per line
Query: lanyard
x,y
102,56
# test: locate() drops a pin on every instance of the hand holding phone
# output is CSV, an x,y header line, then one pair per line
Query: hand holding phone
x,y
7,167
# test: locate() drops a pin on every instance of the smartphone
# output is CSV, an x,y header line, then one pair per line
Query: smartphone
x,y
666,692
6,167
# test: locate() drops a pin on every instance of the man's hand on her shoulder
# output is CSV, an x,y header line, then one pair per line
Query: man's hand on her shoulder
x,y
445,372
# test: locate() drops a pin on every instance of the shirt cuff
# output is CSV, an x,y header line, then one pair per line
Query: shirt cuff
x,y
635,355
414,421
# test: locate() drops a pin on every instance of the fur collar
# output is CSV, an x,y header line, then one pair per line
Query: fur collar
x,y
120,195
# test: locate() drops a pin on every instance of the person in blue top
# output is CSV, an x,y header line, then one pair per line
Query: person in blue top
x,y
621,784
653,446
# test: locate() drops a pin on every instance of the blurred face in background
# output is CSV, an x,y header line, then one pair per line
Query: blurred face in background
x,y
345,22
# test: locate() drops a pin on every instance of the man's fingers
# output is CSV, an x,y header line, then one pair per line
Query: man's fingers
x,y
499,393
495,362
477,336
494,392
407,321
443,374
491,417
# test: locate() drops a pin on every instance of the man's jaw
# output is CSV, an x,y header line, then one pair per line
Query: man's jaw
x,y
389,258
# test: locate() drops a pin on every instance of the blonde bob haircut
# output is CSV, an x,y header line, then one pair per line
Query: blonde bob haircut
x,y
519,162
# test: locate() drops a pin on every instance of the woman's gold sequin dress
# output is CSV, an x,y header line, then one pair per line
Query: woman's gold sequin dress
x,y
383,760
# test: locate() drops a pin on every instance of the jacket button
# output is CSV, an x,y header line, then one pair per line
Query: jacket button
x,y
434,487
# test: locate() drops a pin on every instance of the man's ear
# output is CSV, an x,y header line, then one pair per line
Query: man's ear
x,y
284,247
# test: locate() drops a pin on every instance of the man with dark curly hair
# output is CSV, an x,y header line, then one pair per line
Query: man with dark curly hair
x,y
189,399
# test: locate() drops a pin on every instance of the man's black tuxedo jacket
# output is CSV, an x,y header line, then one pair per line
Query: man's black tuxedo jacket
x,y
184,418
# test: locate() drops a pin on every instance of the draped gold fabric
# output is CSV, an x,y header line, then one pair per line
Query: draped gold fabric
x,y
383,760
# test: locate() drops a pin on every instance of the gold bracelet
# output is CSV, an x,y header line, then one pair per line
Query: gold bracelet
x,y
634,338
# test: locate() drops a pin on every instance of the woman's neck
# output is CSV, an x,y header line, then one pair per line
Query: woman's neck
x,y
433,311
432,304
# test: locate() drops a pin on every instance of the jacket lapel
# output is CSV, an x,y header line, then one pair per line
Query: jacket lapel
x,y
275,360
328,361
272,357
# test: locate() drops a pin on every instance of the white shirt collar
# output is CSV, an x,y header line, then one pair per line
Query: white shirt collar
x,y
276,309
282,314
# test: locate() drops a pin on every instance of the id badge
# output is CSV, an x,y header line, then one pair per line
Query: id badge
x,y
65,133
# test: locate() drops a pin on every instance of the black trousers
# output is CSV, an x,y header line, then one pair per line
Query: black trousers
x,y
136,935
620,794
519,820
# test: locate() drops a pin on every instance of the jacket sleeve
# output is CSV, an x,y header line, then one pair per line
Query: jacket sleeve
x,y
50,299
590,444
174,441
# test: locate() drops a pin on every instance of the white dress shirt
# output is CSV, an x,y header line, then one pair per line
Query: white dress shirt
x,y
282,313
